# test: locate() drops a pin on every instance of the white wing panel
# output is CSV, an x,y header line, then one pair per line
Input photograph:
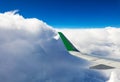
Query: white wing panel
x,y
97,60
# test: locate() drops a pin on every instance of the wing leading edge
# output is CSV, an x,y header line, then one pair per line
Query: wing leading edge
x,y
99,62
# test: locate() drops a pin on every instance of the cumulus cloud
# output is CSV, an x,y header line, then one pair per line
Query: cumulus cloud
x,y
31,51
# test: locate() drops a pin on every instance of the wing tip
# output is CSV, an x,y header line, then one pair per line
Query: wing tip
x,y
69,46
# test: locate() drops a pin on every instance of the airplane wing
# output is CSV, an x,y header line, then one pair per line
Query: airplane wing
x,y
98,62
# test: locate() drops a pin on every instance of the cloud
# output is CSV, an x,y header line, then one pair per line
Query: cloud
x,y
114,77
31,51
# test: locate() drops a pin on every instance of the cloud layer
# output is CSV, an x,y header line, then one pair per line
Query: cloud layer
x,y
30,52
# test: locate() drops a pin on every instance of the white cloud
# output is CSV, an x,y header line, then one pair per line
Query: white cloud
x,y
12,20
115,76
30,51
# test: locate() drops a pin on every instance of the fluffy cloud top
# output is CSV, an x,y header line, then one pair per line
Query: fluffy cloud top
x,y
30,52
12,20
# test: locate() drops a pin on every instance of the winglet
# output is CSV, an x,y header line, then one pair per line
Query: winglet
x,y
69,46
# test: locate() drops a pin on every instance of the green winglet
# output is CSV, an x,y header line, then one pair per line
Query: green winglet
x,y
67,43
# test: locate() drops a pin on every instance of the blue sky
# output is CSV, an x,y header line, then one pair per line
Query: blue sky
x,y
68,13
